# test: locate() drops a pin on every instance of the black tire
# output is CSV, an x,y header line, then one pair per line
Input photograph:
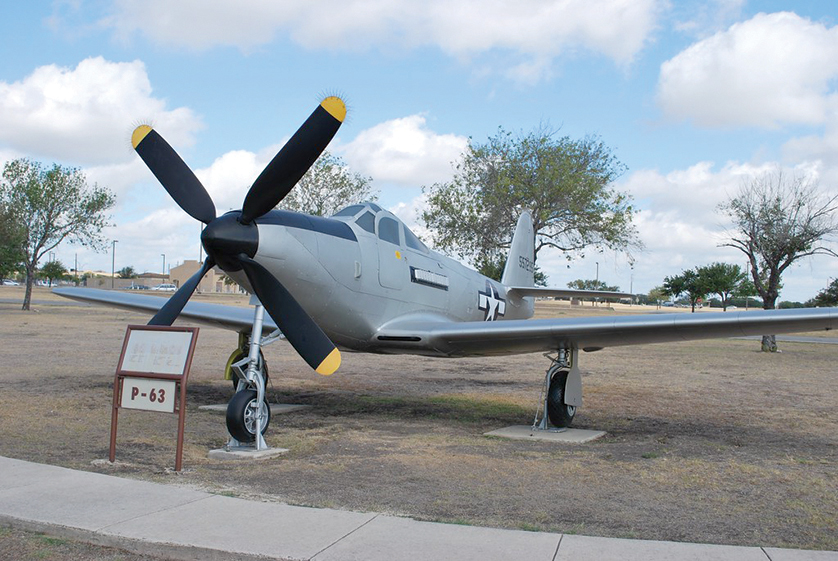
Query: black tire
x,y
241,420
560,413
241,355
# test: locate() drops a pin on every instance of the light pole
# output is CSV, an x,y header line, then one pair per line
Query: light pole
x,y
597,274
164,265
631,286
51,256
113,261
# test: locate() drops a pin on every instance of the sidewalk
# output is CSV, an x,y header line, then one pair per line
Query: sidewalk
x,y
170,521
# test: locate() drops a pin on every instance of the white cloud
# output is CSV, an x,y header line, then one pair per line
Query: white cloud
x,y
533,29
84,115
771,70
404,151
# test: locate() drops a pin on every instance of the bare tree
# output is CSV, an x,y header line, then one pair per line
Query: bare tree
x,y
779,219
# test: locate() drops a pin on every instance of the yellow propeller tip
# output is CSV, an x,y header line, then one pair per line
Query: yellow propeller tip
x,y
139,134
329,364
335,106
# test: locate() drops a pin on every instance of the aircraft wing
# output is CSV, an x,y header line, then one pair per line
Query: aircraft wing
x,y
543,292
442,337
215,315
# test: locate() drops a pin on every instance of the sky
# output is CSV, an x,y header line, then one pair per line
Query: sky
x,y
696,98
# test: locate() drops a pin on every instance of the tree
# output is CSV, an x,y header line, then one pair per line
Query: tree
x,y
690,283
565,184
493,268
50,206
127,273
327,187
826,297
778,220
11,243
53,271
723,279
657,295
592,284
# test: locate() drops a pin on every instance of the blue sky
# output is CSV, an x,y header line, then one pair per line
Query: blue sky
x,y
695,97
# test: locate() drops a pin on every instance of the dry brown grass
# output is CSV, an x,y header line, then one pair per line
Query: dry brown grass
x,y
708,441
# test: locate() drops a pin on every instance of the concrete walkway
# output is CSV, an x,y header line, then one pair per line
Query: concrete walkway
x,y
180,523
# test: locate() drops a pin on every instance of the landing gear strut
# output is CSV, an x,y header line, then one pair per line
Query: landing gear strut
x,y
248,413
563,391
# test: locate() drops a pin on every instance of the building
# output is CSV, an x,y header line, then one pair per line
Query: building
x,y
213,281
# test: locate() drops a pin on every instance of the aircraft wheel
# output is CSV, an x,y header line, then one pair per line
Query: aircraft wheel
x,y
560,413
241,416
237,356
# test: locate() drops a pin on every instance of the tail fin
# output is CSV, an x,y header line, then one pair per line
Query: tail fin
x,y
520,264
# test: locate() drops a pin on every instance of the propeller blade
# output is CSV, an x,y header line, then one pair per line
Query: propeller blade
x,y
291,163
297,326
172,308
173,173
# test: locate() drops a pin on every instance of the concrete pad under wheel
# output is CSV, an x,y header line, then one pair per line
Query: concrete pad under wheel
x,y
276,408
526,432
245,453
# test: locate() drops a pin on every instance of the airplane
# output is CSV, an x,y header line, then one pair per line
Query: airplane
x,y
362,281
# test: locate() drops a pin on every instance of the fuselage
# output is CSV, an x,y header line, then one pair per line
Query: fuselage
x,y
363,268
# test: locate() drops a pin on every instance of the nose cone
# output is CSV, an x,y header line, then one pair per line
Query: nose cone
x,y
225,237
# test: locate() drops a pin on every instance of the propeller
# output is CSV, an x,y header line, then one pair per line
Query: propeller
x,y
231,240
297,326
173,173
291,163
174,305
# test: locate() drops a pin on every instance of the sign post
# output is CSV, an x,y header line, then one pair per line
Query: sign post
x,y
151,375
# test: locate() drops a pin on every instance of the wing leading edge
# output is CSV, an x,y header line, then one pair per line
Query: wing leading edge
x,y
453,339
215,315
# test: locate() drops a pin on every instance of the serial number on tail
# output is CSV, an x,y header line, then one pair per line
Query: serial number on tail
x,y
526,264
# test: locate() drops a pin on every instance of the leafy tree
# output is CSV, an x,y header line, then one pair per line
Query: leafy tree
x,y
327,187
778,220
657,295
746,290
722,279
53,271
581,284
565,183
127,273
690,283
493,268
50,206
827,297
11,243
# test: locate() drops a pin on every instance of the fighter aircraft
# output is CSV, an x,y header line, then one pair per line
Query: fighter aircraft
x,y
362,281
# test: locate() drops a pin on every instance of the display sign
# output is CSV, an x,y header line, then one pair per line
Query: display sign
x,y
156,352
152,373
149,394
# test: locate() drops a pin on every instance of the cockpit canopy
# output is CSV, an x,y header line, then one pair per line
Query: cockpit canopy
x,y
381,223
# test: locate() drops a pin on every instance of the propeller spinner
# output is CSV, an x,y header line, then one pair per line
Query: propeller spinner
x,y
231,240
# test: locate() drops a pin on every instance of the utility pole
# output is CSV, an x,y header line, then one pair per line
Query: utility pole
x,y
113,261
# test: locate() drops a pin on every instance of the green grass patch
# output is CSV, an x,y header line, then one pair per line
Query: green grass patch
x,y
464,409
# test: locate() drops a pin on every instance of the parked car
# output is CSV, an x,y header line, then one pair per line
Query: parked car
x,y
138,287
10,282
165,287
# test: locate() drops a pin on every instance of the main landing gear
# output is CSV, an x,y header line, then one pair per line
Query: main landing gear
x,y
562,391
248,412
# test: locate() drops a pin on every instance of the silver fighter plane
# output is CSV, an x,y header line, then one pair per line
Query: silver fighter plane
x,y
361,280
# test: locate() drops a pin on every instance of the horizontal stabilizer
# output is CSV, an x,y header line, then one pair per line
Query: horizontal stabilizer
x,y
543,292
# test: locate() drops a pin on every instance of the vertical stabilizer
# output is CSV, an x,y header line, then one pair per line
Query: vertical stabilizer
x,y
520,265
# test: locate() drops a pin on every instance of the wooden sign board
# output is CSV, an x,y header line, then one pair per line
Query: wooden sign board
x,y
152,373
